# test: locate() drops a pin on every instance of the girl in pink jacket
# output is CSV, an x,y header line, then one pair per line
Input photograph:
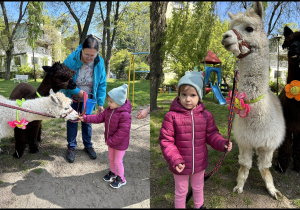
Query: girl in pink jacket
x,y
185,131
117,119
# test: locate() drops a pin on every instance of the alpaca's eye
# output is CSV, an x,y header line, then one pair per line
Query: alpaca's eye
x,y
249,29
66,108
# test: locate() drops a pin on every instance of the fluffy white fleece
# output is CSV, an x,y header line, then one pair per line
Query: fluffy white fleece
x,y
56,104
263,129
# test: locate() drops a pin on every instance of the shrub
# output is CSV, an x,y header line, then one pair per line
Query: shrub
x,y
27,70
273,85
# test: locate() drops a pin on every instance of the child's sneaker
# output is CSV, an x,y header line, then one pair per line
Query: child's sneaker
x,y
117,183
109,177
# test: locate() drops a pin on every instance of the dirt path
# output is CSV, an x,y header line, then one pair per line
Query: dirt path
x,y
47,180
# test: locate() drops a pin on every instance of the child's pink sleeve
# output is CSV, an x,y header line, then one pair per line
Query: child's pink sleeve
x,y
97,118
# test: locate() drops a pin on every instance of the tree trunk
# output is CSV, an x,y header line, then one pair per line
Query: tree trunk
x,y
8,62
88,21
33,65
82,33
157,33
10,36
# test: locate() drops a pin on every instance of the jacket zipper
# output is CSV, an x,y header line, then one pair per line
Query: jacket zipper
x,y
109,123
193,142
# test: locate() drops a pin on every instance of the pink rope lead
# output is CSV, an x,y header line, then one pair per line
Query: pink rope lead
x,y
25,110
85,97
234,94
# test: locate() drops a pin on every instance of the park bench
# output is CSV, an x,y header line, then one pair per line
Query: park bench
x,y
21,78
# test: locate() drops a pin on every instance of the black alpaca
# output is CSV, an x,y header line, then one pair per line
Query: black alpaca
x,y
58,76
290,149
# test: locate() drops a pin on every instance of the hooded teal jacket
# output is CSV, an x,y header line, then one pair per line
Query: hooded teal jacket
x,y
99,77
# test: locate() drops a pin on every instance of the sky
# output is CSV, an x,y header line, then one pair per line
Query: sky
x,y
222,12
13,6
221,6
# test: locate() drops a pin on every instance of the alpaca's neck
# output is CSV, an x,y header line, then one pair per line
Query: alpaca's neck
x,y
293,72
254,74
45,86
37,105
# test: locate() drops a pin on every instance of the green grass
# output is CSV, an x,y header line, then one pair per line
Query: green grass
x,y
297,202
216,202
7,86
247,201
140,96
38,170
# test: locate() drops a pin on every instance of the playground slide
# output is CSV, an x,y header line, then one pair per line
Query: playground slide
x,y
217,92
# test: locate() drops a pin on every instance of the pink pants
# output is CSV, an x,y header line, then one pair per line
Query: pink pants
x,y
182,185
116,161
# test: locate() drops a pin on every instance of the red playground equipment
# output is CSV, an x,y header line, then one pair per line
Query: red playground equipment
x,y
212,58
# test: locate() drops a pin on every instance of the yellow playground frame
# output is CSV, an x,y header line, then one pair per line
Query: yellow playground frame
x,y
132,62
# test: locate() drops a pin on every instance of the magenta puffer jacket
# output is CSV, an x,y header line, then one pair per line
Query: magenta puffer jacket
x,y
184,135
117,125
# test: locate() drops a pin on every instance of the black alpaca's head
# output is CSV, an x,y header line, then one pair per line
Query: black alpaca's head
x,y
292,43
61,76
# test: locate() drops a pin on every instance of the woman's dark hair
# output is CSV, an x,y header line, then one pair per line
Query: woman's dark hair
x,y
90,42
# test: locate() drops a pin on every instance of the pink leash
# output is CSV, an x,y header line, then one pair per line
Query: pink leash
x,y
85,97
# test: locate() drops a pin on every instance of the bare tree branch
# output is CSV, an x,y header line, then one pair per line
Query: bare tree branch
x,y
88,20
75,18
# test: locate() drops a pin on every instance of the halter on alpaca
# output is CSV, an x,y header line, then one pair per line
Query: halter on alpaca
x,y
241,44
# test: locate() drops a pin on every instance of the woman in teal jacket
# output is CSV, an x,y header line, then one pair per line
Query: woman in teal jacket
x,y
90,77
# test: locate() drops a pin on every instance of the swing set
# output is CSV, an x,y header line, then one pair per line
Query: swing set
x,y
131,63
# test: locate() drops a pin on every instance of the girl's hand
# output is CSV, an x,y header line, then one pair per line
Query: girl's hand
x,y
81,118
179,168
100,109
229,147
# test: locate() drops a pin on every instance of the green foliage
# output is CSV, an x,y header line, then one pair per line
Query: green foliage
x,y
119,61
134,28
291,25
273,85
24,69
45,61
188,35
62,34
172,82
27,70
227,58
34,20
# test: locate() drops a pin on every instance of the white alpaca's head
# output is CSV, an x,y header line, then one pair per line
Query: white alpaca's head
x,y
60,106
250,28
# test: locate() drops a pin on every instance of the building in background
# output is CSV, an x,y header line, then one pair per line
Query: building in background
x,y
23,53
278,58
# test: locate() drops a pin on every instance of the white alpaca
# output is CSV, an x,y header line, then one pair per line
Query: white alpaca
x,y
263,128
56,104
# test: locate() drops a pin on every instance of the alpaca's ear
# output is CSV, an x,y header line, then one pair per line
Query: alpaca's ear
x,y
258,8
287,31
54,99
231,15
47,68
51,92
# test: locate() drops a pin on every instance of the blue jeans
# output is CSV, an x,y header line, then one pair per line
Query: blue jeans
x,y
86,129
